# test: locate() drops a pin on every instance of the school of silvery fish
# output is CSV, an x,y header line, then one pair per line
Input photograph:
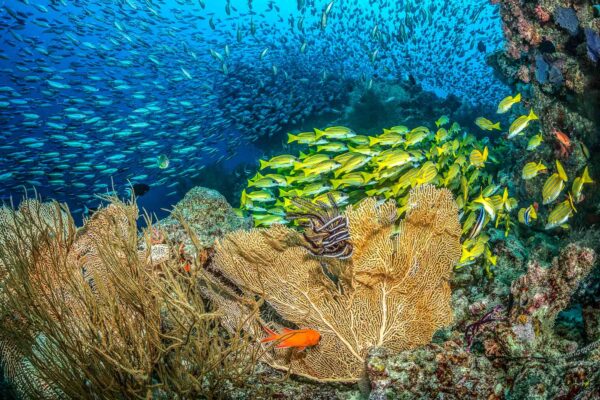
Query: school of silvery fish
x,y
345,166
96,94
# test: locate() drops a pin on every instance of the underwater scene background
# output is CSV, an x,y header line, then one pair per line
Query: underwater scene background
x,y
300,199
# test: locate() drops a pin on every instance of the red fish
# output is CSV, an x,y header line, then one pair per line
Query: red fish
x,y
564,141
298,338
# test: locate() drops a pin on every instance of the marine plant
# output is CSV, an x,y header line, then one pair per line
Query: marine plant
x,y
101,312
392,291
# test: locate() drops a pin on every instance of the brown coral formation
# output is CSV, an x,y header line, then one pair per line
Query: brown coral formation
x,y
87,314
392,292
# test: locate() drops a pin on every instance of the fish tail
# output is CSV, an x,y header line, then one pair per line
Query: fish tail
x,y
586,178
517,98
244,200
373,141
272,335
336,183
496,126
263,164
319,133
292,138
532,115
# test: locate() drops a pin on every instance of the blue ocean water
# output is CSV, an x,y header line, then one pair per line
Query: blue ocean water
x,y
93,93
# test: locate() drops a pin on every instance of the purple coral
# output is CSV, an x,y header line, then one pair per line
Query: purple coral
x,y
593,44
567,18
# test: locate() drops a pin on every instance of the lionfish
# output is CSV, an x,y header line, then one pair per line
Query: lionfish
x,y
326,228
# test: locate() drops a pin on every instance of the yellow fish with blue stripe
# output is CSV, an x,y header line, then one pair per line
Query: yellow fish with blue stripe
x,y
507,103
554,184
520,124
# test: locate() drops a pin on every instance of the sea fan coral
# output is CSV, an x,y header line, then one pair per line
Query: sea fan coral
x,y
392,292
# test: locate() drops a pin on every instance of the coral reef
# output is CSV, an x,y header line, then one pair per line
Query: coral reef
x,y
557,42
206,214
392,292
517,356
91,313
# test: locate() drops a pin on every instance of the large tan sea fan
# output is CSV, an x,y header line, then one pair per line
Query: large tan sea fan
x,y
392,292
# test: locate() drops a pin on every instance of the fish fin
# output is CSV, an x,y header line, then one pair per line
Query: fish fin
x,y
301,349
251,183
373,141
244,199
517,98
336,183
263,164
496,126
292,138
302,155
532,115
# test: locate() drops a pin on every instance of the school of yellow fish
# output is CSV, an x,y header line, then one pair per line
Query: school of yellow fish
x,y
351,166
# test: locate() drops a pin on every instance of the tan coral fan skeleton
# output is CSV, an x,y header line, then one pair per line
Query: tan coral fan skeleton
x,y
392,292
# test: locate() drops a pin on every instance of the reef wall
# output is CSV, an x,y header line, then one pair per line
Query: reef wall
x,y
554,46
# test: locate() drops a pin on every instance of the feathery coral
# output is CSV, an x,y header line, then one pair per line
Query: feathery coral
x,y
392,292
87,314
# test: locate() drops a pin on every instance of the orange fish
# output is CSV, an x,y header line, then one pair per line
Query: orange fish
x,y
299,338
564,141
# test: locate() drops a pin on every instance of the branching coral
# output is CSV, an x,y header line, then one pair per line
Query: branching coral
x,y
87,314
391,292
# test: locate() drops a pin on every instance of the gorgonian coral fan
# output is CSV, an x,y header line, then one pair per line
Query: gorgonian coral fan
x,y
391,292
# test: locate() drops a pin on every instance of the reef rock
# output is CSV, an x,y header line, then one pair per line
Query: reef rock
x,y
207,214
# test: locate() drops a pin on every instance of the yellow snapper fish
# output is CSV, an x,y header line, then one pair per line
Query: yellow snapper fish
x,y
335,132
486,124
561,214
321,168
507,103
354,163
387,139
471,250
302,138
504,203
333,147
308,161
281,161
396,129
532,169
527,215
427,173
415,137
487,205
535,141
301,179
340,198
259,196
554,184
365,149
441,135
395,159
263,183
351,179
520,124
268,220
578,185
360,140
479,158
443,120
